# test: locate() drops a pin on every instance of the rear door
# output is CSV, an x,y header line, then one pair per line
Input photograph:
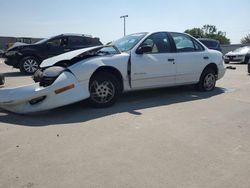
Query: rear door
x,y
190,58
156,68
77,42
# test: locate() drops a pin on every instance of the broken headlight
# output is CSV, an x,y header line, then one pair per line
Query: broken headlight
x,y
48,76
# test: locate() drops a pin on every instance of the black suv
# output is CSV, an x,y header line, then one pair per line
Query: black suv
x,y
28,57
211,43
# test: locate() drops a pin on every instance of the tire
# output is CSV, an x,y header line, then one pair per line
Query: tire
x,y
247,58
104,90
2,79
207,80
29,65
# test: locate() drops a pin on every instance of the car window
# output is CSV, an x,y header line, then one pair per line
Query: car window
x,y
198,47
159,43
77,41
92,41
210,44
183,43
58,42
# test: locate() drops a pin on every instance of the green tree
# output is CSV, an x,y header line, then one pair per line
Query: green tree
x,y
245,40
195,32
209,31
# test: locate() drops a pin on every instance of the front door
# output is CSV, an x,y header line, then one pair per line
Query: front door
x,y
155,68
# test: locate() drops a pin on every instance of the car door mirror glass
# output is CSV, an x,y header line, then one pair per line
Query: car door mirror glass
x,y
144,49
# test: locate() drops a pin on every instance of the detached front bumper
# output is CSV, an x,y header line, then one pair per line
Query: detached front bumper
x,y
33,98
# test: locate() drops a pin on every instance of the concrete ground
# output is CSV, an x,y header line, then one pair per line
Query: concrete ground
x,y
172,137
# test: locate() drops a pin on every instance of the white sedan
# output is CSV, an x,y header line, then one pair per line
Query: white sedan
x,y
134,62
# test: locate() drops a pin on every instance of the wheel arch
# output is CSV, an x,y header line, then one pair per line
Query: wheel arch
x,y
212,66
111,70
30,55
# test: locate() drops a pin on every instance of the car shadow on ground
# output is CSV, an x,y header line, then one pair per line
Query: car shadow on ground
x,y
131,102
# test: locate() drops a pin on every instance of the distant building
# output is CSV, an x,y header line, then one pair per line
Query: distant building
x,y
6,42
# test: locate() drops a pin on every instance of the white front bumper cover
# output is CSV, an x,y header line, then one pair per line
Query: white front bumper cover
x,y
32,98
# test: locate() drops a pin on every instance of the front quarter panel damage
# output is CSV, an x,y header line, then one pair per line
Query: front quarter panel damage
x,y
85,69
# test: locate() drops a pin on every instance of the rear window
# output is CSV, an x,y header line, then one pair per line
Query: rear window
x,y
210,44
77,41
93,41
84,41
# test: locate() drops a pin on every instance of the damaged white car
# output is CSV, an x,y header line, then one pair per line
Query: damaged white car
x,y
137,61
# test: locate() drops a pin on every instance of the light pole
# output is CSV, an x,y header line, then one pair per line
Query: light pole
x,y
124,20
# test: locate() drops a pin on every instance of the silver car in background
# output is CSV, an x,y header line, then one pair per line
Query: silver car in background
x,y
240,55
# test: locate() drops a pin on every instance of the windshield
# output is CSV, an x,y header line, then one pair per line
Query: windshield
x,y
44,40
41,41
128,42
245,49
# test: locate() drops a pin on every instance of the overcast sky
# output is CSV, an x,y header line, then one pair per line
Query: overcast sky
x,y
101,18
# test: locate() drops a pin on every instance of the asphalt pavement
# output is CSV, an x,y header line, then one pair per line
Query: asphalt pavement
x,y
170,137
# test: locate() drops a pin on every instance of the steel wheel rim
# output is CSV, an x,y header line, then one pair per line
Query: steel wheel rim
x,y
209,81
30,65
102,92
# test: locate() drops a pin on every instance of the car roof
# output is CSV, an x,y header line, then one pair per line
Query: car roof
x,y
74,34
207,39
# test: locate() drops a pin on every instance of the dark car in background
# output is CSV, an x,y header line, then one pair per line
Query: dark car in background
x,y
1,53
28,57
211,43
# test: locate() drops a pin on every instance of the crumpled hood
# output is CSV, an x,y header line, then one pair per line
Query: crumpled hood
x,y
66,56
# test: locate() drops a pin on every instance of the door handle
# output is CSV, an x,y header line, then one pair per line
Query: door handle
x,y
66,50
171,60
205,57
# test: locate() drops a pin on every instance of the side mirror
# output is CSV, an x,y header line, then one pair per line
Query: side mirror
x,y
144,49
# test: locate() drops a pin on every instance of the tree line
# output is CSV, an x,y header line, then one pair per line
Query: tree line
x,y
210,31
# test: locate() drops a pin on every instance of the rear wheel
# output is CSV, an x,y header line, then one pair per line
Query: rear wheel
x,y
207,81
247,60
29,65
104,90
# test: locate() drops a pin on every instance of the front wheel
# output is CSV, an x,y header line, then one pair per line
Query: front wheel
x,y
2,79
207,81
29,65
104,90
